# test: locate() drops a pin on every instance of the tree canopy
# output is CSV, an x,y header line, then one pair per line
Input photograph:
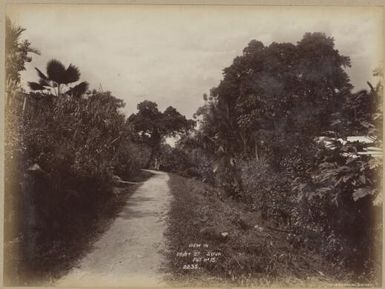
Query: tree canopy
x,y
271,95
152,126
17,53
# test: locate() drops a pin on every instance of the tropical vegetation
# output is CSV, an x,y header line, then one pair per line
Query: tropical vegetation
x,y
268,154
274,135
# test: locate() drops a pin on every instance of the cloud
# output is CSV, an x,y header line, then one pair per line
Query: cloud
x,y
174,54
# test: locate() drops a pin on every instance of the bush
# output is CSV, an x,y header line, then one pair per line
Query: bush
x,y
74,138
173,160
325,201
338,200
268,191
187,163
130,157
64,157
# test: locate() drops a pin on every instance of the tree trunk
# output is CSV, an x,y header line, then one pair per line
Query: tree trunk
x,y
256,151
152,156
58,90
24,104
244,143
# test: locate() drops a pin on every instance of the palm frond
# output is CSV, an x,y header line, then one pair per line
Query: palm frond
x,y
41,74
72,74
35,86
44,83
34,50
56,71
78,90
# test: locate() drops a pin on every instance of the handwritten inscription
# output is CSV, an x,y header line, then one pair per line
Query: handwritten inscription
x,y
198,254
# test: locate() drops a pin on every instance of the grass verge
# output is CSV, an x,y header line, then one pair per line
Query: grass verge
x,y
215,241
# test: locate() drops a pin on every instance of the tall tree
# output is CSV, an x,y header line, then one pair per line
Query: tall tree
x,y
273,100
17,53
278,92
152,126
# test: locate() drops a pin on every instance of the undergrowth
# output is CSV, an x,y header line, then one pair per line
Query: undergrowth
x,y
251,251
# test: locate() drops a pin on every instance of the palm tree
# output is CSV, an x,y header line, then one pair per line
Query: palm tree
x,y
58,76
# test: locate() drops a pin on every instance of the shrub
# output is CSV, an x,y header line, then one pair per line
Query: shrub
x,y
338,200
67,152
268,191
130,157
330,205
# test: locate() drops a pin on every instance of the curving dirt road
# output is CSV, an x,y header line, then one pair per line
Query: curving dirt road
x,y
128,253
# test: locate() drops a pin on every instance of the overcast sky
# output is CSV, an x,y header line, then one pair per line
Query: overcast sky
x,y
174,54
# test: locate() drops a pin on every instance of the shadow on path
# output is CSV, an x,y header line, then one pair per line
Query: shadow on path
x,y
129,252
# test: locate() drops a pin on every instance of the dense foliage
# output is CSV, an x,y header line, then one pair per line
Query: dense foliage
x,y
274,132
152,126
64,147
273,135
17,53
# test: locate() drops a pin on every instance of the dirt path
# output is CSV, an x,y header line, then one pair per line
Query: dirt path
x,y
128,253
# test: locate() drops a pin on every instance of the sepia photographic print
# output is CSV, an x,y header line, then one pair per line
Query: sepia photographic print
x,y
193,145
